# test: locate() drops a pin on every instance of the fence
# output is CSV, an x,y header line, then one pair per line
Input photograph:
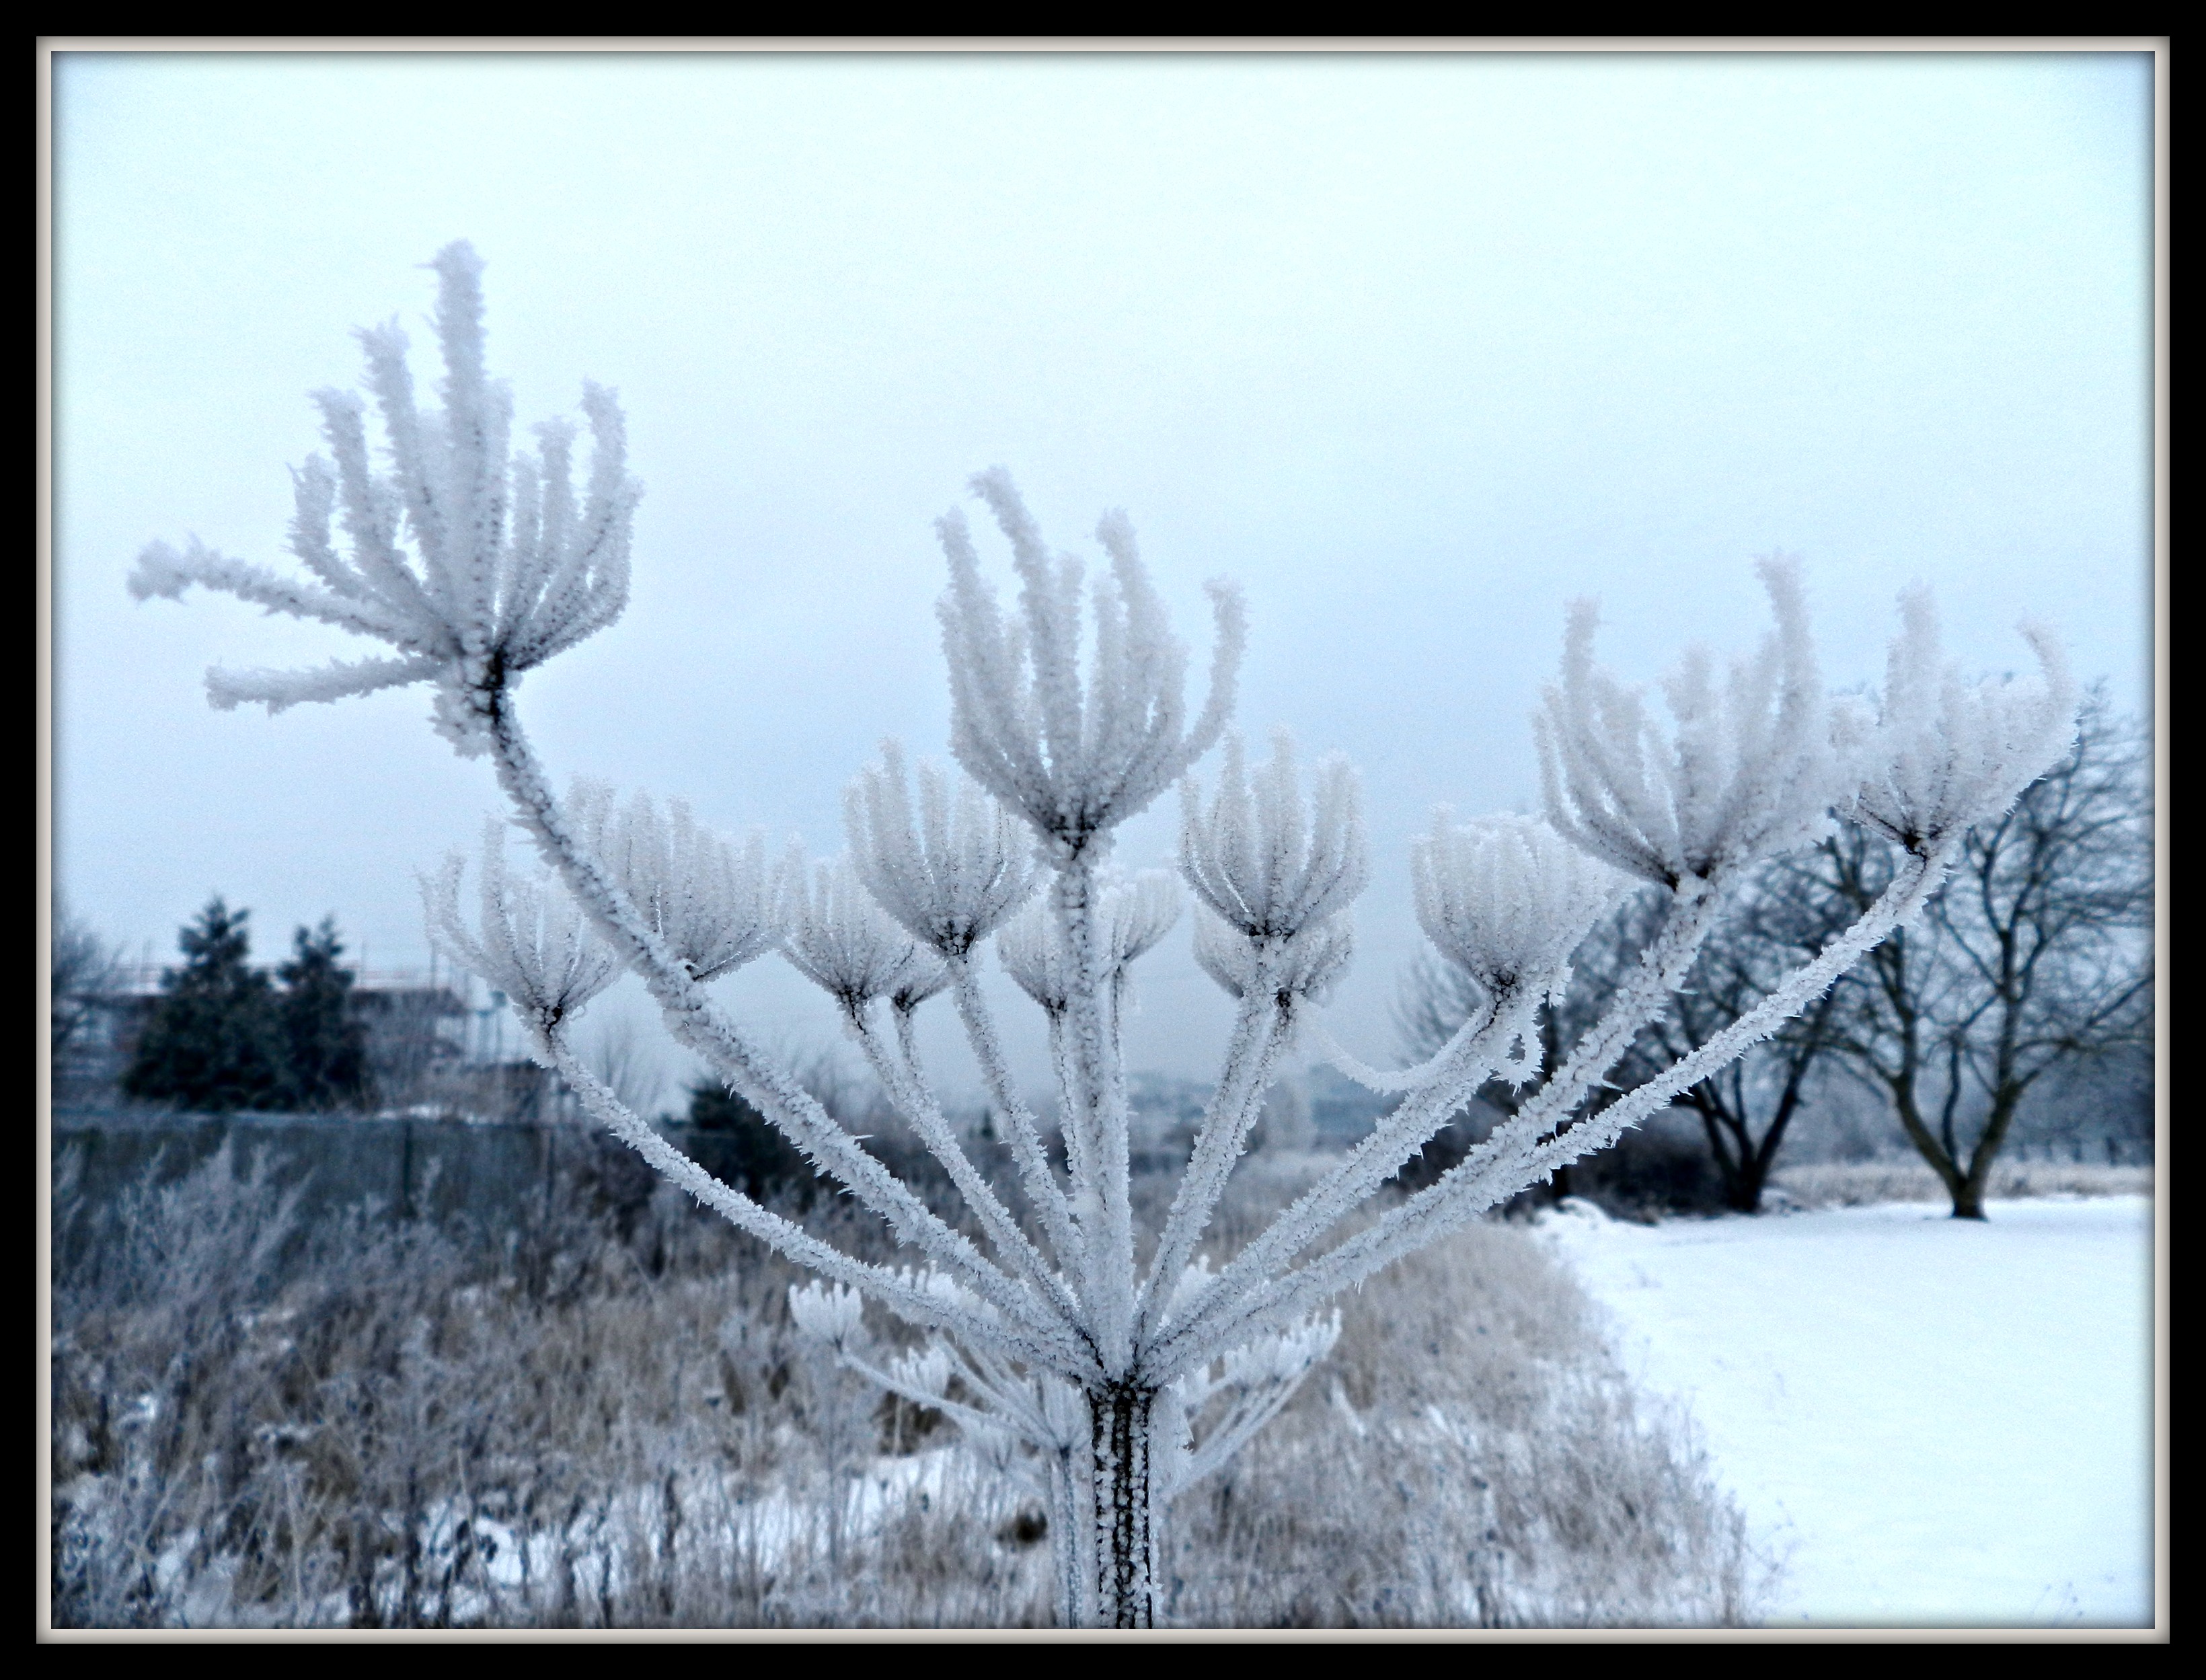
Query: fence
x,y
472,1178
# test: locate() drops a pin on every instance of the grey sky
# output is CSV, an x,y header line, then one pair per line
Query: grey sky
x,y
1417,347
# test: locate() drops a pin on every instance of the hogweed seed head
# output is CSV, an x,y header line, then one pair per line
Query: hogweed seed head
x,y
1074,760
835,935
1746,771
472,563
1263,861
1506,898
530,940
949,872
1937,752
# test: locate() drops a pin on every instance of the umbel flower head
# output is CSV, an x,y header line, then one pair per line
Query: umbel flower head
x,y
835,936
950,873
1132,915
699,891
1260,860
509,564
1507,899
1305,966
1274,877
530,941
1939,752
1746,773
1074,760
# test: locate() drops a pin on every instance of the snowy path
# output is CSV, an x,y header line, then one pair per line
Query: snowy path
x,y
1928,1422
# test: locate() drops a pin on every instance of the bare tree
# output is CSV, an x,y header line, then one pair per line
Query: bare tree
x,y
1744,1109
1120,1385
2033,970
1747,1108
2037,961
1437,996
84,970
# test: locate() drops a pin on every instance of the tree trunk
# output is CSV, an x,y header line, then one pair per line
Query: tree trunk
x,y
1742,1194
1969,1194
1739,1169
1967,1204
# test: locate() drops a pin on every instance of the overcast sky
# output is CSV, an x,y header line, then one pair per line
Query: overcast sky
x,y
1418,348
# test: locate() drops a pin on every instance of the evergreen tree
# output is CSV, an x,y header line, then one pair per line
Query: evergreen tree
x,y
213,1042
755,1155
325,1045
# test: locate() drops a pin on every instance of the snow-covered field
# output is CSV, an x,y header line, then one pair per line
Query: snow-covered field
x,y
1928,1422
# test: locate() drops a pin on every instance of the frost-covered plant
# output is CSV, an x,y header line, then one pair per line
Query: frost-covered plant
x,y
1114,1384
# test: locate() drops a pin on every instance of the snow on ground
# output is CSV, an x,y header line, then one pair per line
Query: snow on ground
x,y
1928,1422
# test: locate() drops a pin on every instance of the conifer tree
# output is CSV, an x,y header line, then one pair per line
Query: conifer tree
x,y
325,1044
211,1042
762,1162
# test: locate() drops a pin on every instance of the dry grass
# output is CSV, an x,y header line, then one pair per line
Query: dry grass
x,y
1469,1456
374,1428
1861,1183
